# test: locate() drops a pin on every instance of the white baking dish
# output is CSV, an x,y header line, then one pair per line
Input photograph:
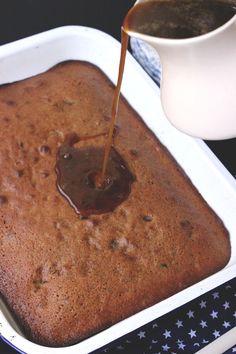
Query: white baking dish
x,y
36,54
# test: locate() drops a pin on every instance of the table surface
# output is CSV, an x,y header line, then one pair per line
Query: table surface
x,y
19,19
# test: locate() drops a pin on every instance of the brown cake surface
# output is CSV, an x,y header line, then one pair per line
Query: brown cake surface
x,y
64,277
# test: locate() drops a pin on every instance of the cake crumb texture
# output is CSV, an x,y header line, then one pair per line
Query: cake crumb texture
x,y
66,277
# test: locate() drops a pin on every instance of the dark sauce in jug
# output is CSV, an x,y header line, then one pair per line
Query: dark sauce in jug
x,y
179,19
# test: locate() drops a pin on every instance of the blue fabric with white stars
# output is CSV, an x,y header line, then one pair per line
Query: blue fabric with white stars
x,y
187,329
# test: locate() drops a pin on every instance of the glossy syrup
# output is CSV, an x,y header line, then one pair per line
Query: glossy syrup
x,y
95,180
77,171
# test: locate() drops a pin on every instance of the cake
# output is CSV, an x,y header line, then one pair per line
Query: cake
x,y
66,277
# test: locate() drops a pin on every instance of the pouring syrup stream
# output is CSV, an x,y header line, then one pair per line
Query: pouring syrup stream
x,y
115,105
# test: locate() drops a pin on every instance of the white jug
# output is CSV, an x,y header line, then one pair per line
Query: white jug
x,y
198,86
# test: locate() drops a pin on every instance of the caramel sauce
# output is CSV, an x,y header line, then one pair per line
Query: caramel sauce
x,y
115,104
95,180
77,169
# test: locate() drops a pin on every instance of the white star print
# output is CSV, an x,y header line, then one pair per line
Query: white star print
x,y
203,324
202,304
167,334
190,314
214,314
141,334
181,346
226,305
226,324
165,347
215,295
192,333
179,323
179,341
216,333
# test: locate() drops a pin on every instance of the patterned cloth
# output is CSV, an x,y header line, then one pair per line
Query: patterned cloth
x,y
147,57
187,329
